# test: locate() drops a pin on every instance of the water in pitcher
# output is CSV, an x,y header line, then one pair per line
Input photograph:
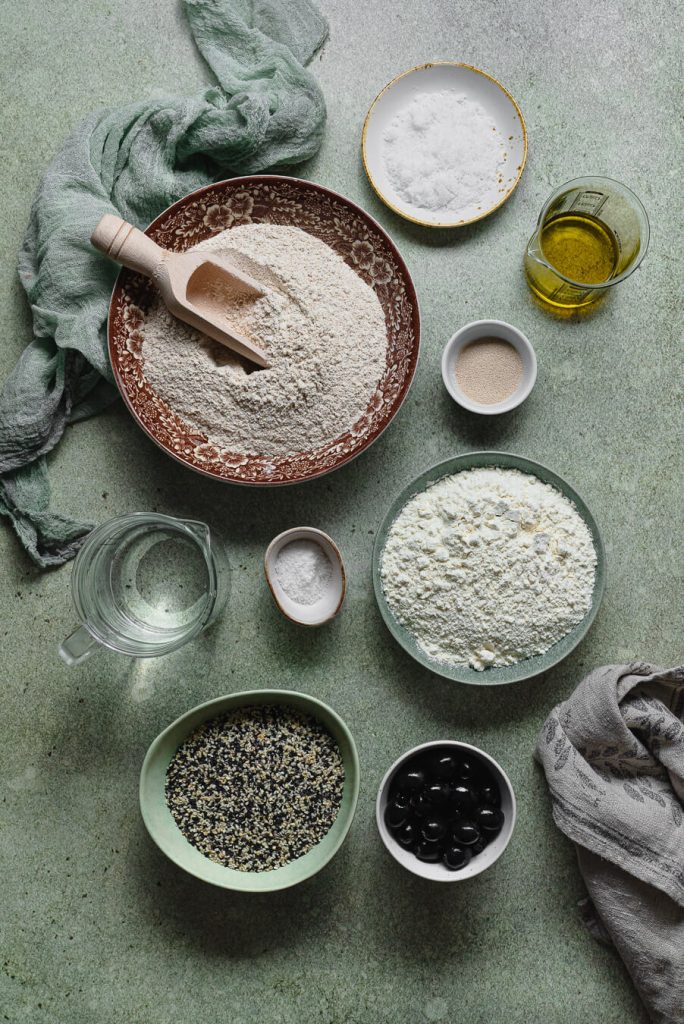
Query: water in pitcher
x,y
159,582
144,584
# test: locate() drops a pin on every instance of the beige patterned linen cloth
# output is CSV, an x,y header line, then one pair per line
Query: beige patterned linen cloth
x,y
613,754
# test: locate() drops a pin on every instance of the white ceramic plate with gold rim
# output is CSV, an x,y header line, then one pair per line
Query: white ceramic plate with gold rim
x,y
478,86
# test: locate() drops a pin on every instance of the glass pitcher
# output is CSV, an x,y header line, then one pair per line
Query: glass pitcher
x,y
143,585
591,234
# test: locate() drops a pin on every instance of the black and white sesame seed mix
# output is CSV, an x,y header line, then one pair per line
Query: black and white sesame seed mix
x,y
257,788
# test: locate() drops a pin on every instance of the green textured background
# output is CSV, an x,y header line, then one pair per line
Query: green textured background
x,y
95,925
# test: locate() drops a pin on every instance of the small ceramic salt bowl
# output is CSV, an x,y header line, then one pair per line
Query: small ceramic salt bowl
x,y
439,872
475,331
326,607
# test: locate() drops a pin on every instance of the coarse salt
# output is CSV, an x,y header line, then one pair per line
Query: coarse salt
x,y
443,152
304,571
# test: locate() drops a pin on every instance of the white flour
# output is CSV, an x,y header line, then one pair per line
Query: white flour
x,y
322,327
304,571
488,567
443,151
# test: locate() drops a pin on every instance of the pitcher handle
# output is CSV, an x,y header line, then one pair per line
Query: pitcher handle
x,y
78,646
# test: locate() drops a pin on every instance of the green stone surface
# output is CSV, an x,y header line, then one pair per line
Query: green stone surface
x,y
96,926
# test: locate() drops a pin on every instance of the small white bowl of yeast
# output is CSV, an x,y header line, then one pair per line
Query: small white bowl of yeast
x,y
489,367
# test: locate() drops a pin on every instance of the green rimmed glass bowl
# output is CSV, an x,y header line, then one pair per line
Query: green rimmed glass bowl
x,y
523,669
163,829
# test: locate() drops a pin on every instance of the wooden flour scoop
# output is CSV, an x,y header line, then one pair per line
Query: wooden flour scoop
x,y
187,281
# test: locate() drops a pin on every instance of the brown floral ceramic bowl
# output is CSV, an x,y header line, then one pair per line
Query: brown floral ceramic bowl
x,y
345,228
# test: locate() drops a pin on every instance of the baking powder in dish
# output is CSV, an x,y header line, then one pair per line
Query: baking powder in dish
x,y
442,151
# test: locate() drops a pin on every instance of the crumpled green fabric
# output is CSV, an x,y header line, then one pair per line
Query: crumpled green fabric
x,y
266,112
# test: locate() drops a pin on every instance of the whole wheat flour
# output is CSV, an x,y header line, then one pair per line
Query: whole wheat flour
x,y
322,327
488,567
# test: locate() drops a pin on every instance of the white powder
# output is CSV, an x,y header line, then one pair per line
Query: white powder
x,y
304,571
488,567
443,152
322,327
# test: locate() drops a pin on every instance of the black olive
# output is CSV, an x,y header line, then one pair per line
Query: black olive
x,y
456,857
421,805
490,795
490,819
466,770
466,833
408,834
442,766
401,799
462,798
411,780
395,816
428,852
479,846
433,829
437,794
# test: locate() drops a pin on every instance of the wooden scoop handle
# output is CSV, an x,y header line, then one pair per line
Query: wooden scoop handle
x,y
125,244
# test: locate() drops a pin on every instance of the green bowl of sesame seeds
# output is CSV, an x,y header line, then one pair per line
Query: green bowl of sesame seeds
x,y
160,776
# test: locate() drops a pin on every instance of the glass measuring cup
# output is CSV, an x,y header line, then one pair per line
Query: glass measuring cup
x,y
143,585
599,219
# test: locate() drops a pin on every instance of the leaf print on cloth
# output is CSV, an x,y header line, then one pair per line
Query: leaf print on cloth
x,y
589,782
673,731
640,703
654,796
627,740
562,758
559,744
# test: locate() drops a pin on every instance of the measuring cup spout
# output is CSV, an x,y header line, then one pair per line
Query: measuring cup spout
x,y
199,530
78,646
534,250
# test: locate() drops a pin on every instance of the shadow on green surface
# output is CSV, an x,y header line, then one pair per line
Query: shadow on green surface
x,y
237,925
484,433
464,706
438,924
430,922
293,648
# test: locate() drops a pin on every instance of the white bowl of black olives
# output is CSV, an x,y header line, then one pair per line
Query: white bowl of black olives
x,y
446,810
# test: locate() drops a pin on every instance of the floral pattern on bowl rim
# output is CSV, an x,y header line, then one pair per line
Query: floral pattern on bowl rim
x,y
348,230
